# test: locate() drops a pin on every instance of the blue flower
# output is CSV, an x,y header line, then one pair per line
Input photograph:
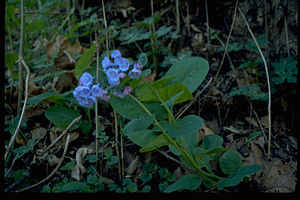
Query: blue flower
x,y
119,93
106,63
134,73
86,79
113,76
82,91
96,91
115,54
123,63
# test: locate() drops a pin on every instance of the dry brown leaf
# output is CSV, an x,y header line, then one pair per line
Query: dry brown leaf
x,y
52,159
21,141
203,132
132,166
33,112
62,45
251,121
39,133
265,121
79,169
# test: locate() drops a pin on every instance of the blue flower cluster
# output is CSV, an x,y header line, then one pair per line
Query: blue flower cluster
x,y
86,93
117,70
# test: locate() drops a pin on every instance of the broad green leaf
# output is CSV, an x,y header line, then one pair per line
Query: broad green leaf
x,y
190,141
189,182
237,177
189,72
145,93
75,186
253,135
10,60
136,130
61,116
230,162
186,125
157,142
83,63
35,100
130,109
212,142
163,30
85,126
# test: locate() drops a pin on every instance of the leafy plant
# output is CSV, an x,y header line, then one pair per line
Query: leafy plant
x,y
285,70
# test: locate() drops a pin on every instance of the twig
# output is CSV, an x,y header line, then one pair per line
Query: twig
x,y
68,17
96,104
177,17
54,171
286,36
61,135
41,13
21,50
188,18
117,143
122,151
207,22
225,51
23,109
169,157
105,25
268,81
193,100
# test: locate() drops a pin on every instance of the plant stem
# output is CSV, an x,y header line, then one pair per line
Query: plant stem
x,y
185,154
117,144
105,25
96,104
21,50
163,103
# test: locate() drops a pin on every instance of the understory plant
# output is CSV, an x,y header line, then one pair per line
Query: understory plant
x,y
148,107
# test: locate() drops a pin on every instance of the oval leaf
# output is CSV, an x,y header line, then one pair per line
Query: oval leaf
x,y
189,182
61,116
212,142
157,142
84,61
230,162
189,72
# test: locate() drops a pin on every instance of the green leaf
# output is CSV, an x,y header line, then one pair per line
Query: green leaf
x,y
146,189
85,126
189,182
189,72
35,100
236,178
230,162
212,142
75,186
143,60
130,109
186,125
10,60
136,130
163,30
83,63
157,142
69,166
253,135
61,116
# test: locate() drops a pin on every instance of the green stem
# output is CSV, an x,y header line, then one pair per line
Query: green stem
x,y
162,102
205,175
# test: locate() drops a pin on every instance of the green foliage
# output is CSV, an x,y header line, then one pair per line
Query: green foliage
x,y
189,182
61,116
251,90
230,162
189,72
84,61
285,70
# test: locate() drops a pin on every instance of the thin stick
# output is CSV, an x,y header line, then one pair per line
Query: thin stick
x,y
193,100
268,81
117,144
122,151
177,17
41,13
286,36
63,133
96,104
68,17
207,22
21,50
225,51
23,109
188,18
105,25
54,171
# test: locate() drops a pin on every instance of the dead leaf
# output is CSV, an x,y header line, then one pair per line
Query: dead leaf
x,y
203,132
132,166
251,121
265,121
79,169
61,46
21,141
39,133
52,159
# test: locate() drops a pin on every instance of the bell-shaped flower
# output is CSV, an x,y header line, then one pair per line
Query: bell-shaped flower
x,y
115,54
113,76
134,73
86,79
123,64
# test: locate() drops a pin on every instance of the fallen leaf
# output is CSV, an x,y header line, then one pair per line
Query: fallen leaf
x,y
52,159
251,121
265,121
79,169
39,133
132,166
203,132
